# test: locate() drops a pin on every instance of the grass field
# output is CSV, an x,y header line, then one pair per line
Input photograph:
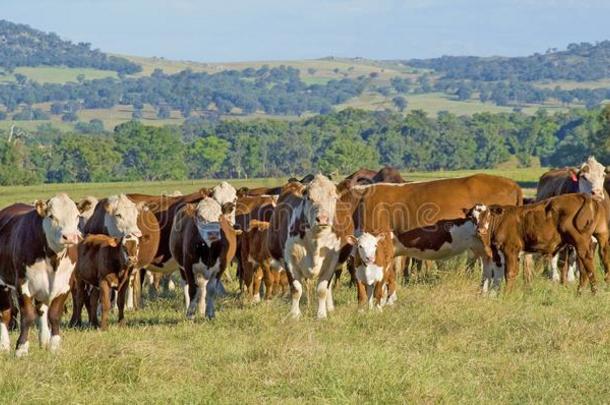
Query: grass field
x,y
47,74
441,342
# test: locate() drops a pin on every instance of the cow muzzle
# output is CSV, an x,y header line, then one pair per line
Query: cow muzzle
x,y
69,239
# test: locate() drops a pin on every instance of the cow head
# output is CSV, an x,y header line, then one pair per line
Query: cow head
x,y
481,216
60,219
121,216
86,207
591,176
224,193
207,215
130,249
367,245
320,202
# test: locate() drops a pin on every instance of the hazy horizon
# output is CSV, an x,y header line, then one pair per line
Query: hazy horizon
x,y
239,30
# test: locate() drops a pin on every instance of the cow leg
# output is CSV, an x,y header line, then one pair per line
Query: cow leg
x,y
269,277
405,270
361,294
120,301
212,287
378,295
391,283
572,266
5,318
201,294
78,301
585,258
555,267
511,268
256,284
296,291
488,273
94,299
44,334
604,255
130,298
28,316
55,312
337,280
105,300
330,304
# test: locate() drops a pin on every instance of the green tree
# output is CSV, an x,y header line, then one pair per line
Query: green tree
x,y
150,153
347,155
206,156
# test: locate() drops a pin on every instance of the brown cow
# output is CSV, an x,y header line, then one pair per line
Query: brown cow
x,y
251,208
404,207
374,257
104,264
364,176
588,179
203,242
37,258
545,228
256,261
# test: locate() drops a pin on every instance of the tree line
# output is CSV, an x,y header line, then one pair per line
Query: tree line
x,y
338,142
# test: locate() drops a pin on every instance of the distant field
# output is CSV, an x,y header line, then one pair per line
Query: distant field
x,y
432,103
571,85
8,195
58,74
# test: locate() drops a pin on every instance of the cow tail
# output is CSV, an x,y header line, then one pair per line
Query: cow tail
x,y
585,217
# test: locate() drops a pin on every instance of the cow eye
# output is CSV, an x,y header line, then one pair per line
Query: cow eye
x,y
119,216
51,216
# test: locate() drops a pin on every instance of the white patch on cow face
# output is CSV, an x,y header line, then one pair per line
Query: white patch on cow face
x,y
367,247
591,178
320,201
208,215
60,223
225,193
121,218
130,248
480,219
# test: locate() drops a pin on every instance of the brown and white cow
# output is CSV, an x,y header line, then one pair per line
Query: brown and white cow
x,y
544,228
37,258
308,234
256,262
588,179
203,242
104,264
400,208
373,259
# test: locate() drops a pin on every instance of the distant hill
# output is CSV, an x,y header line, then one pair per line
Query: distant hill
x,y
21,45
579,62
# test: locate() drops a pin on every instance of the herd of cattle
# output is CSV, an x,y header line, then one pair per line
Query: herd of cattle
x,y
307,229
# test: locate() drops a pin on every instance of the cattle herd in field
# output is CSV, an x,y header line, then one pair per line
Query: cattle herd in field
x,y
100,251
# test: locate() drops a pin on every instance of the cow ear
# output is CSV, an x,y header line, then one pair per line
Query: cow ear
x,y
142,206
41,207
467,212
607,169
381,237
190,209
83,205
107,207
228,208
351,239
242,192
497,210
238,232
113,242
584,169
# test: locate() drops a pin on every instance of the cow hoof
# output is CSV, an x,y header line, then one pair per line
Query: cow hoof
x,y
54,343
322,317
22,350
295,315
256,299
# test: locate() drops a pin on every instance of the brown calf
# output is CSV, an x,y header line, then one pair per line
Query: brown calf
x,y
375,274
545,228
104,264
256,262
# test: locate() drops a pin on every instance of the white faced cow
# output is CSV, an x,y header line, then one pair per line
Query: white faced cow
x,y
307,239
37,258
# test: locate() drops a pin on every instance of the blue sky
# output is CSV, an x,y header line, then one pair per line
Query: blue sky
x,y
235,30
